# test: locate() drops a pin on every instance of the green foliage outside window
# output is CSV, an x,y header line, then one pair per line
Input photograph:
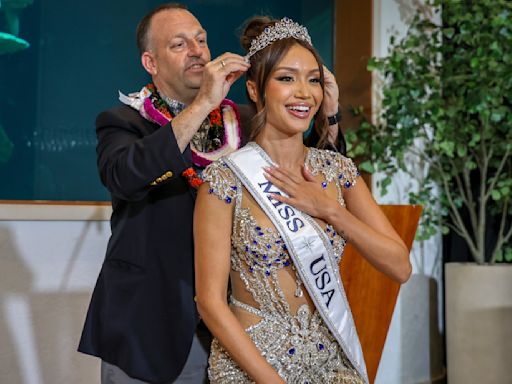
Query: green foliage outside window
x,y
447,106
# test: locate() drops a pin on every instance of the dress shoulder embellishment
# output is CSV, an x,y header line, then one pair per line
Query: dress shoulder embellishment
x,y
349,172
333,166
223,182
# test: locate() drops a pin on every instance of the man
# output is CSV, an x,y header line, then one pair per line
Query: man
x,y
142,321
142,318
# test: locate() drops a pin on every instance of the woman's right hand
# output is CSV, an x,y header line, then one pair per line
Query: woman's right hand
x,y
304,193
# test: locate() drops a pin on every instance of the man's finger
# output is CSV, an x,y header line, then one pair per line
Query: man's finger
x,y
234,76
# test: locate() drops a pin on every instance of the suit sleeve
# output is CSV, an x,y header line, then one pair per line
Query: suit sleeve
x,y
131,161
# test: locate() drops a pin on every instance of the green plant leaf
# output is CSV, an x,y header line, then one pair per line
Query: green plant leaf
x,y
367,166
449,32
446,111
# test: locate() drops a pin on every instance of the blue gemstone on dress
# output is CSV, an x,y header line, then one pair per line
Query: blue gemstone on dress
x,y
324,184
269,264
233,187
358,173
246,248
277,260
260,233
286,263
267,273
269,246
320,347
265,257
328,162
258,228
291,351
278,241
340,176
228,200
327,229
255,242
284,247
251,269
332,242
347,184
210,191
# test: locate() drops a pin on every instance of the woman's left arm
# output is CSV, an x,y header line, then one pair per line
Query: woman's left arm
x,y
361,222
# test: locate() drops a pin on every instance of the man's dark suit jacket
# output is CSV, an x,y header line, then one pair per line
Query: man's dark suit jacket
x,y
142,315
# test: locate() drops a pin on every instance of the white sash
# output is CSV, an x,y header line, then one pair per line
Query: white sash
x,y
309,248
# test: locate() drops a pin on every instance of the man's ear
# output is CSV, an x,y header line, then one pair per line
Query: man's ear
x,y
251,90
149,63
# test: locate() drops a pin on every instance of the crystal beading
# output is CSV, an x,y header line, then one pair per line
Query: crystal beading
x,y
292,338
282,29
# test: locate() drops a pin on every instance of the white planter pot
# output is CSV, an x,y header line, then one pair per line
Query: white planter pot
x,y
478,323
420,339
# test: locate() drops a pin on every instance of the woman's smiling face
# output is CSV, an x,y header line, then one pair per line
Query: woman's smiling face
x,y
293,93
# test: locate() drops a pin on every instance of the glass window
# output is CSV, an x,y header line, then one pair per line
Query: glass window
x,y
62,62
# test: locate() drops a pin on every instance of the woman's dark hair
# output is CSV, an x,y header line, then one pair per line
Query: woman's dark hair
x,y
263,63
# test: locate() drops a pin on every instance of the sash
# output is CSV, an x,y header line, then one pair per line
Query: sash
x,y
310,250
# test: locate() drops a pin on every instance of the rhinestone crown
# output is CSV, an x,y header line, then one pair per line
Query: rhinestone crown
x,y
282,29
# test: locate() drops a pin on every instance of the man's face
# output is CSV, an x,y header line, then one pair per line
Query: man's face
x,y
177,53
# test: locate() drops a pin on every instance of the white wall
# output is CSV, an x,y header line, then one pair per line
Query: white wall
x,y
47,273
413,349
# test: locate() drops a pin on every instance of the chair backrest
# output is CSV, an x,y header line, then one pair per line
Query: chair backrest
x,y
372,295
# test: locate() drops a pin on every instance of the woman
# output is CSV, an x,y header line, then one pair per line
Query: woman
x,y
271,222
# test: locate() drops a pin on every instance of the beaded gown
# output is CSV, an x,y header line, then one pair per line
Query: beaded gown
x,y
267,295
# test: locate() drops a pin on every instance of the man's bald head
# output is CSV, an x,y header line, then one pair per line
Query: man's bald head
x,y
144,27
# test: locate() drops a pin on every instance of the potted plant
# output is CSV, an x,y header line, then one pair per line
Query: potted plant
x,y
446,121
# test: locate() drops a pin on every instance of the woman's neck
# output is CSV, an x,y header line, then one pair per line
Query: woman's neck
x,y
288,152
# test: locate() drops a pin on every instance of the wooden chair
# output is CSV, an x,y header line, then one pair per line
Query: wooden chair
x,y
372,295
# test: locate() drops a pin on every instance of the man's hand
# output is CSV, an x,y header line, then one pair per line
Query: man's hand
x,y
332,93
331,103
218,76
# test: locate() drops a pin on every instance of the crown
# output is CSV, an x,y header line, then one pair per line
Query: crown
x,y
282,29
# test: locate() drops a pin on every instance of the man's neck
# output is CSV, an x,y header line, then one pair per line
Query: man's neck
x,y
175,106
166,93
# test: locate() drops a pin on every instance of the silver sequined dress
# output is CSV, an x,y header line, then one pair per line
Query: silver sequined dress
x,y
267,295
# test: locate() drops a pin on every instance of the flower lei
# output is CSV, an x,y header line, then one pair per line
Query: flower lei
x,y
223,120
